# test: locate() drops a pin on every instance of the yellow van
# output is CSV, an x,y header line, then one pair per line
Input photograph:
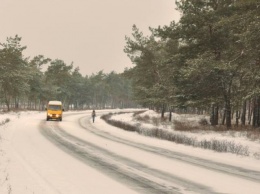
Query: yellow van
x,y
54,110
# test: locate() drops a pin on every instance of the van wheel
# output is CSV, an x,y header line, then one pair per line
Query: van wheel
x,y
60,119
47,119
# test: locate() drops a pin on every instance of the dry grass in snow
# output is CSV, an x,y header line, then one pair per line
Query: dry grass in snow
x,y
191,130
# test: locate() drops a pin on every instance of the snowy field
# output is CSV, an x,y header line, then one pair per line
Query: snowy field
x,y
43,157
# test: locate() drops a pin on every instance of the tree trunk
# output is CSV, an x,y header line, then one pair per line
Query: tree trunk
x,y
237,117
163,111
7,102
214,115
250,111
228,112
170,115
243,115
224,116
16,102
258,112
254,114
8,106
256,117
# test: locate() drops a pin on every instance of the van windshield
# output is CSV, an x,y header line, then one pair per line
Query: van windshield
x,y
54,107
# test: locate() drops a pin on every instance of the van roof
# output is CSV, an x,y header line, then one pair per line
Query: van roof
x,y
55,103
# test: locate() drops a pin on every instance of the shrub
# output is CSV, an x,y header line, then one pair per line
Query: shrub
x,y
224,146
257,155
203,121
156,121
184,126
5,121
180,138
253,135
145,118
138,112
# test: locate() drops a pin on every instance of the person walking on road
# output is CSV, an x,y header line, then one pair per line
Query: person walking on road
x,y
93,115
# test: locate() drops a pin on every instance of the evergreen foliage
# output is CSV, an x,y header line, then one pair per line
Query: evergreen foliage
x,y
209,60
24,84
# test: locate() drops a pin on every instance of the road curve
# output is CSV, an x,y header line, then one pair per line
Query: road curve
x,y
98,149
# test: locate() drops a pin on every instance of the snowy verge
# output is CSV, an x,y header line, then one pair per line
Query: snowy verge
x,y
224,141
6,122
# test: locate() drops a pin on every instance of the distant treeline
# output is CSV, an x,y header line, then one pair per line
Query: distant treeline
x,y
24,85
208,61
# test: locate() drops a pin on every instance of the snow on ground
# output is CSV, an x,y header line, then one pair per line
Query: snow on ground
x,y
6,120
16,176
30,164
238,138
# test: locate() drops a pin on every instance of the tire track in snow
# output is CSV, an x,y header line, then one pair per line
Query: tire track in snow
x,y
211,165
133,174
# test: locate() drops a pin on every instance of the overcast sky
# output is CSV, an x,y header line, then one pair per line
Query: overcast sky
x,y
89,33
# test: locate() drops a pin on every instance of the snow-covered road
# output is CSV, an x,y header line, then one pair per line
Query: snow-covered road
x,y
78,156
